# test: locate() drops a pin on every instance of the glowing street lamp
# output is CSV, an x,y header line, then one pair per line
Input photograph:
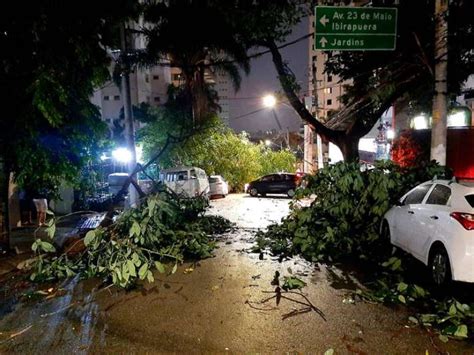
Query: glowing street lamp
x,y
268,142
269,101
122,155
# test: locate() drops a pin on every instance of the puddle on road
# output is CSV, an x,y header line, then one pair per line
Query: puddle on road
x,y
70,321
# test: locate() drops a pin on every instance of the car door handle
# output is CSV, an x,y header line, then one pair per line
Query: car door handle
x,y
434,217
411,212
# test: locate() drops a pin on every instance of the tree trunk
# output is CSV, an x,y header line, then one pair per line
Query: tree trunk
x,y
349,147
200,101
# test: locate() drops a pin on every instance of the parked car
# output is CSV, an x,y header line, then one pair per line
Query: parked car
x,y
116,181
187,181
218,186
435,223
282,183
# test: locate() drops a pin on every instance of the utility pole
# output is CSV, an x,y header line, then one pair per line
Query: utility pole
x,y
440,111
128,114
308,149
308,140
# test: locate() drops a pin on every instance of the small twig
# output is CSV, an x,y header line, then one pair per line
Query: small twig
x,y
59,310
296,312
259,309
13,335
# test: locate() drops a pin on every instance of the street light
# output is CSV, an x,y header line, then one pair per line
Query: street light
x,y
269,101
122,155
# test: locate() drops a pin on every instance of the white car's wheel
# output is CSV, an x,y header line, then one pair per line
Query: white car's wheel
x,y
439,266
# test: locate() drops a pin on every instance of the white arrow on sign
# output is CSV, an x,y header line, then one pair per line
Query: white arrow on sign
x,y
323,41
324,20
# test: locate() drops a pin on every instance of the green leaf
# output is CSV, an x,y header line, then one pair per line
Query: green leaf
x,y
135,229
51,230
160,267
413,320
402,287
151,207
291,283
175,268
396,265
452,310
34,247
149,277
136,259
143,271
461,331
89,238
131,268
420,291
329,352
48,247
402,299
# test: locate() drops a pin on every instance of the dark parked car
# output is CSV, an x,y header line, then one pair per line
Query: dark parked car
x,y
283,183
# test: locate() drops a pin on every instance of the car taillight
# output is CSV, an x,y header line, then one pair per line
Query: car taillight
x,y
466,219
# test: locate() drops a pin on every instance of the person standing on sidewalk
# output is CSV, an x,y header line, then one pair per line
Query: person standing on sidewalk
x,y
40,200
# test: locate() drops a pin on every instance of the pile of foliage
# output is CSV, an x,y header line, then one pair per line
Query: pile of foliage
x,y
344,218
343,223
393,283
163,229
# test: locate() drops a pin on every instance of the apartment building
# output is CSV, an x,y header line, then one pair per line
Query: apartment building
x,y
147,85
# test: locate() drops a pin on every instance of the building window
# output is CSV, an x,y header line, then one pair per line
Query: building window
x,y
147,78
155,77
116,97
329,102
156,99
176,77
328,90
329,78
106,98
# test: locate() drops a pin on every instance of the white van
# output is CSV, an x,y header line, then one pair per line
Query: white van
x,y
186,181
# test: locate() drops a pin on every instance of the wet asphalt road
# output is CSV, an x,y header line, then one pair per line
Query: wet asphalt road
x,y
216,306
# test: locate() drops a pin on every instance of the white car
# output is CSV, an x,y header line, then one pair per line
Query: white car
x,y
435,223
218,186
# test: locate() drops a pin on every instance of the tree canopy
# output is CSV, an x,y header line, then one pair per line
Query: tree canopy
x,y
52,58
379,78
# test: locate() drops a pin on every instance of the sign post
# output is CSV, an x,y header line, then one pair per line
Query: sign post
x,y
355,28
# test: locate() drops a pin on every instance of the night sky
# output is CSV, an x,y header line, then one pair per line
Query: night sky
x,y
263,80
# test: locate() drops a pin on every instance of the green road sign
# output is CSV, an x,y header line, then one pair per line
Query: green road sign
x,y
355,28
